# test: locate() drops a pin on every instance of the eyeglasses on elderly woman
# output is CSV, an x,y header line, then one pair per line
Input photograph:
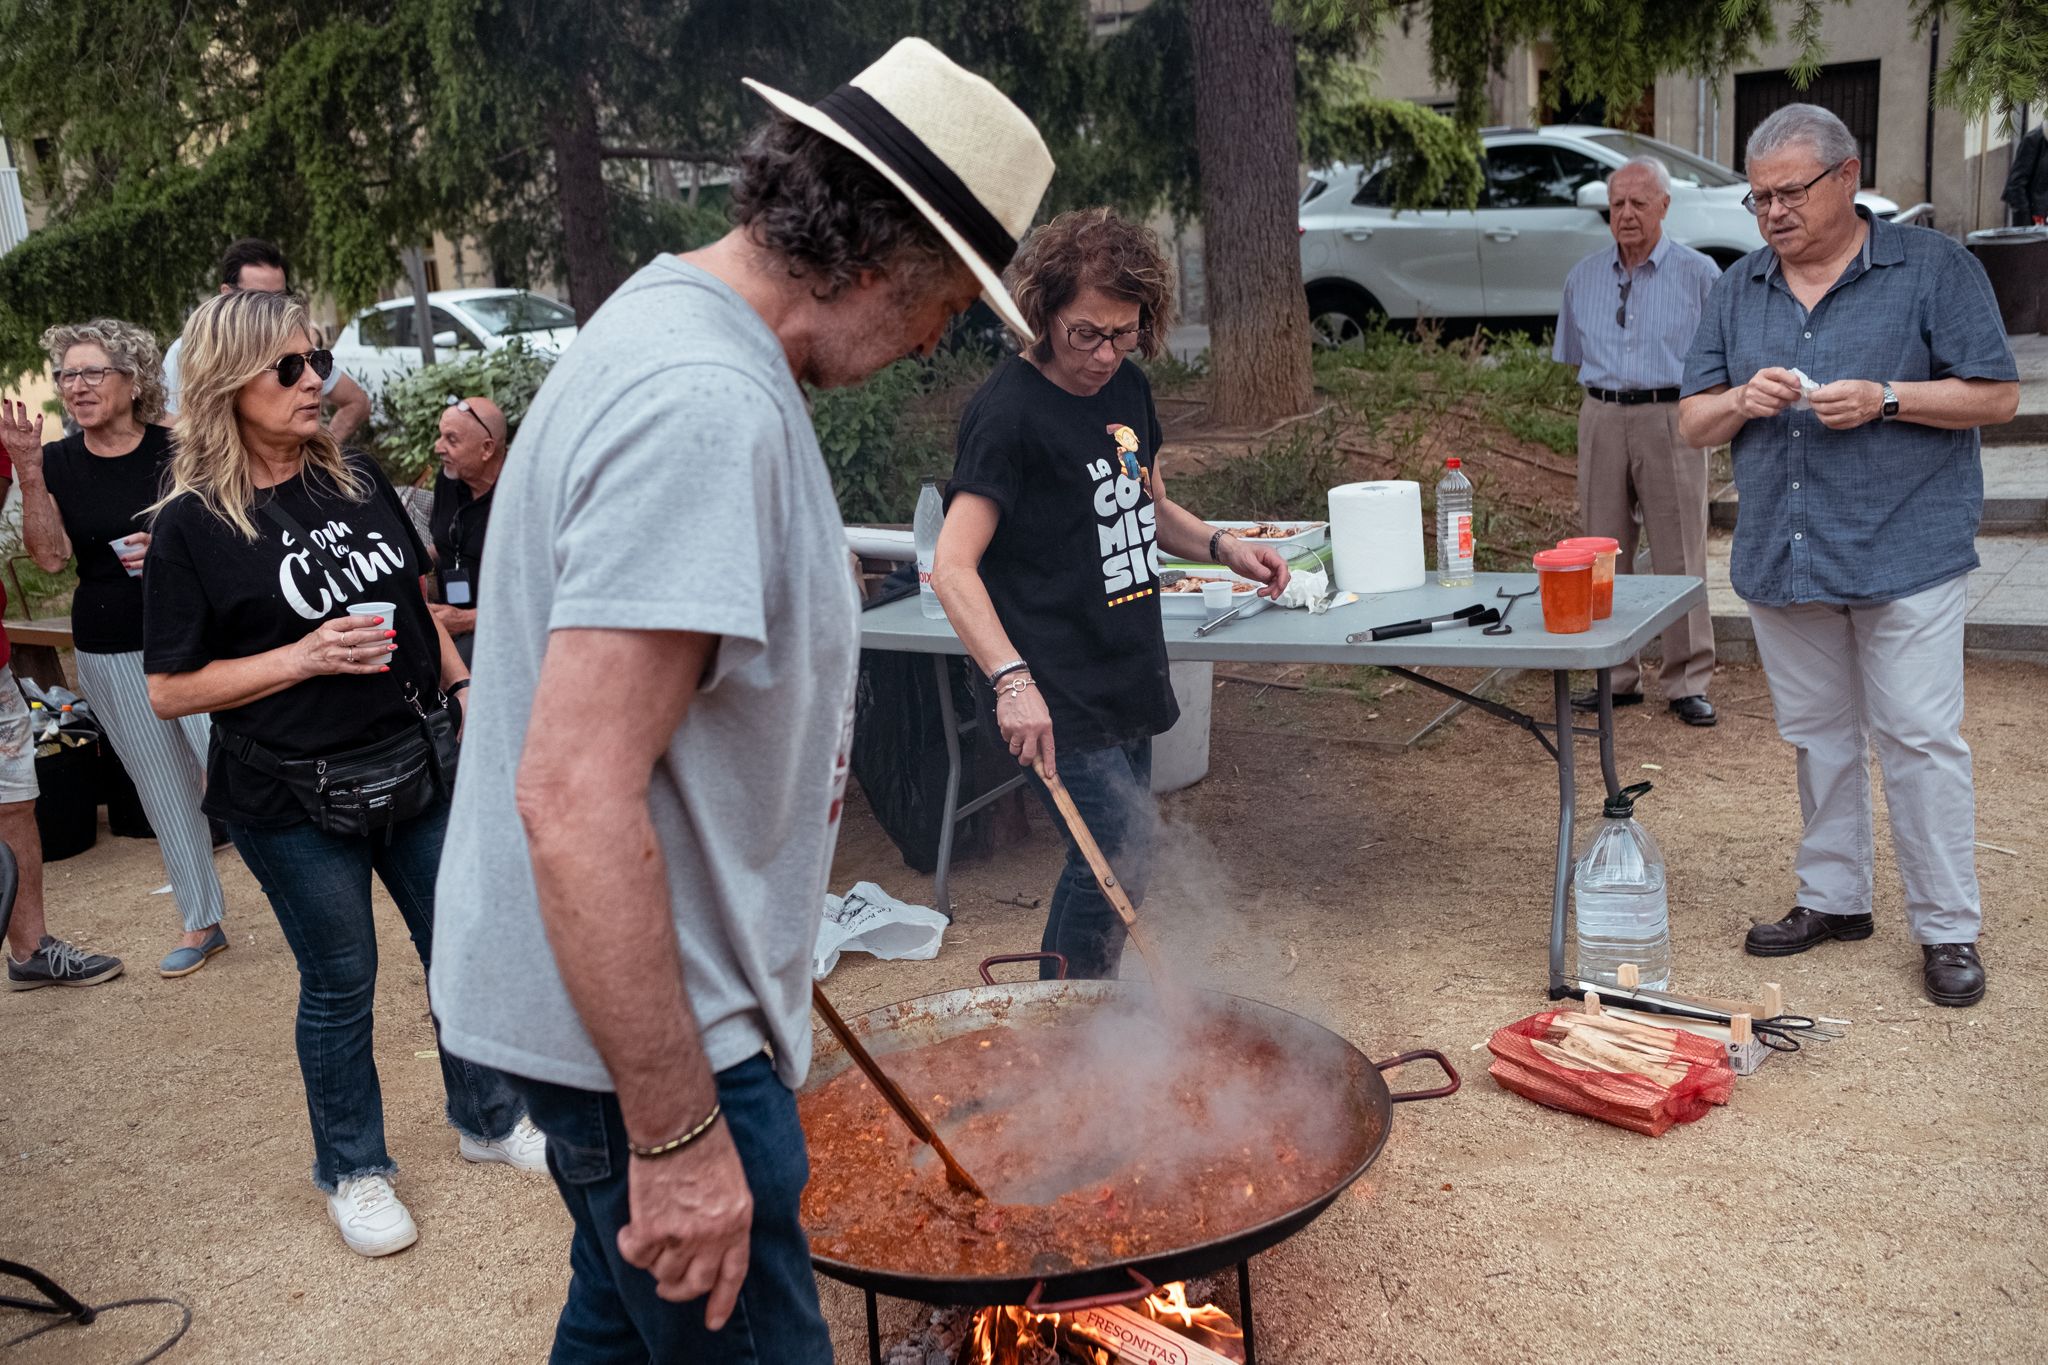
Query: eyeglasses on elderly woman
x,y
91,376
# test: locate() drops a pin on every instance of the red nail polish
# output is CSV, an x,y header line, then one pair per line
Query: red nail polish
x,y
390,634
380,621
385,669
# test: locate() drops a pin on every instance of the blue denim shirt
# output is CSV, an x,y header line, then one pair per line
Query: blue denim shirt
x,y
1876,512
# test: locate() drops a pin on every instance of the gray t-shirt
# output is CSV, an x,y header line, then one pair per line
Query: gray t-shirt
x,y
667,478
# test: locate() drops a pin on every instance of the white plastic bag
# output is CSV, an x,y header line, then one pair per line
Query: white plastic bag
x,y
871,920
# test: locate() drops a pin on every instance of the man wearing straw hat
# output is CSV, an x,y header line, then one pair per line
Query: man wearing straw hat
x,y
658,742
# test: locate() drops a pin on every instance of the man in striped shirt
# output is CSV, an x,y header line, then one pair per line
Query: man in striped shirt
x,y
1627,321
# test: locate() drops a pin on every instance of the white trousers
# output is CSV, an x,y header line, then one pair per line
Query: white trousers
x,y
1838,677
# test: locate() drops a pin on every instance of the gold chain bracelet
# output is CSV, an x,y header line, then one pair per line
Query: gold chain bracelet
x,y
677,1144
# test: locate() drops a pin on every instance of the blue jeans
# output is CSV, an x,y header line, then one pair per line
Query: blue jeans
x,y
612,1313
319,888
1112,789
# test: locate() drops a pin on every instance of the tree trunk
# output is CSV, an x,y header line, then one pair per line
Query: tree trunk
x,y
1246,140
415,259
586,215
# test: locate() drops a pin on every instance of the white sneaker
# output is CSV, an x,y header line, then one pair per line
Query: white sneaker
x,y
525,1148
371,1219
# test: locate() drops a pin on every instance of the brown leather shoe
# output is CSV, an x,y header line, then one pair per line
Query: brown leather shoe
x,y
1952,972
1802,929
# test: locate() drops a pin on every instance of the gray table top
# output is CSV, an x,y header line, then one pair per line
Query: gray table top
x,y
1644,604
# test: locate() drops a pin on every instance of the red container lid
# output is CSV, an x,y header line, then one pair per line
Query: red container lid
x,y
1564,559
1597,544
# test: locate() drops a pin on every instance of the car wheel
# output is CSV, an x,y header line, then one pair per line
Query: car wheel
x,y
1339,317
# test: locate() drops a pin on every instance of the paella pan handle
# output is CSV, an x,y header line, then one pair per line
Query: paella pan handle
x,y
1057,959
1433,1055
1141,1288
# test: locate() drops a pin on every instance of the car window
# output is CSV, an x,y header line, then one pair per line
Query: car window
x,y
1531,177
465,337
1682,164
375,328
1375,194
503,314
402,333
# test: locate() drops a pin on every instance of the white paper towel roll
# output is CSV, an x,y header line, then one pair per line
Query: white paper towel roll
x,y
1376,535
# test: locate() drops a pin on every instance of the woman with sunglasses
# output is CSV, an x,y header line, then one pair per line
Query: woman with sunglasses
x,y
267,534
87,494
1048,566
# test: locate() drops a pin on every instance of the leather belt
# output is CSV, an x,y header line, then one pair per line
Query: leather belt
x,y
1628,397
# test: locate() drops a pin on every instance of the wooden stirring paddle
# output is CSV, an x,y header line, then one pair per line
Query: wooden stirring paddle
x,y
1106,875
956,1174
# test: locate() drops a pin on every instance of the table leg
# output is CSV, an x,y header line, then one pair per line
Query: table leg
x,y
874,1331
1566,791
1606,686
1244,1308
943,901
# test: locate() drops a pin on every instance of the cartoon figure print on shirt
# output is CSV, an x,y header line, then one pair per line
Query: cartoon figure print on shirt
x,y
310,586
1126,533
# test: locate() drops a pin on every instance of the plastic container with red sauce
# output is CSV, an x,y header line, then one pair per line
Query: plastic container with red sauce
x,y
1605,549
1566,580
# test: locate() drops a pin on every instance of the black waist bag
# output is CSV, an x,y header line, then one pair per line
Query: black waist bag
x,y
360,791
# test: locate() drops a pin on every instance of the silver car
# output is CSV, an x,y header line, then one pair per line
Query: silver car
x,y
1542,211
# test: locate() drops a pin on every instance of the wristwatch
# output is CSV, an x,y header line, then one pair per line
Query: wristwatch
x,y
1891,402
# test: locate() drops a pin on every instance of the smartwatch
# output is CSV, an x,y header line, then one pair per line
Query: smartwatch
x,y
1891,402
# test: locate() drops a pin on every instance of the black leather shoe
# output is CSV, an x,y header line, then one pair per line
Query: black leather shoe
x,y
1590,701
1694,710
1802,929
1953,973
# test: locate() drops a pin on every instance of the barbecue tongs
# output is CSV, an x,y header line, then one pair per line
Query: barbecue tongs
x,y
1780,1032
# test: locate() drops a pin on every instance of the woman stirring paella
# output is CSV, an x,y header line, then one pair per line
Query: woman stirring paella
x,y
1048,566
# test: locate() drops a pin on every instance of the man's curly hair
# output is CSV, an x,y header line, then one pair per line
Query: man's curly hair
x,y
830,215
1093,248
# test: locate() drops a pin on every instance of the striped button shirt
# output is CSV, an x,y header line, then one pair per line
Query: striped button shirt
x,y
1665,296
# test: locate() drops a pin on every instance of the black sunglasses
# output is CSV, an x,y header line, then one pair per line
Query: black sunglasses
x,y
1621,313
293,367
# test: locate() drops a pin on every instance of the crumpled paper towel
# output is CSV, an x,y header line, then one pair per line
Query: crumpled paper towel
x,y
1311,588
1807,389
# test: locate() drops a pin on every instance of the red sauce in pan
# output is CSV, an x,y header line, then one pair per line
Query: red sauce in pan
x,y
1096,1144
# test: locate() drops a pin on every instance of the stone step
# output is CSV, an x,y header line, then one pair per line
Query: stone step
x,y
2008,600
2015,491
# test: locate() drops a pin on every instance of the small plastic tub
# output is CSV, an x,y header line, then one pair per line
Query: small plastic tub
x,y
1605,549
1566,580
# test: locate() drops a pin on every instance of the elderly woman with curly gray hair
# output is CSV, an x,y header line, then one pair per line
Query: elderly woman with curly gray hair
x,y
85,495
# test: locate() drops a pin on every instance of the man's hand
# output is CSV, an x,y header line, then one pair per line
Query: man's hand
x,y
454,620
1769,392
691,1215
1848,403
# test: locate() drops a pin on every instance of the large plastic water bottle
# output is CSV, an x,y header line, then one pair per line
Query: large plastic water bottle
x,y
1454,526
1618,898
931,515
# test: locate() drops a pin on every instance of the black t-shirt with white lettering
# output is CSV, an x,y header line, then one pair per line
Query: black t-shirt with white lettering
x,y
1073,567
210,593
101,497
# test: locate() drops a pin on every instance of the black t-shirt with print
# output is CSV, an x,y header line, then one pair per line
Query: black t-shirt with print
x,y
101,497
1074,564
212,594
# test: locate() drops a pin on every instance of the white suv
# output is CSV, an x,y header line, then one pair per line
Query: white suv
x,y
379,344
1540,213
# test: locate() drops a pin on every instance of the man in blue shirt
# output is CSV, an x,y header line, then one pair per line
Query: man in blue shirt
x,y
1628,316
1850,362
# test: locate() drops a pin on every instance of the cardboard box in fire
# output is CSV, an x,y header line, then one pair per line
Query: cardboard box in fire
x,y
1137,1340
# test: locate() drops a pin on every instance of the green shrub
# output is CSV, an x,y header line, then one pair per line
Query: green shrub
x,y
873,445
409,411
1288,478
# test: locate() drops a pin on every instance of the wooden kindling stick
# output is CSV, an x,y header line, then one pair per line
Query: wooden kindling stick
x,y
956,1174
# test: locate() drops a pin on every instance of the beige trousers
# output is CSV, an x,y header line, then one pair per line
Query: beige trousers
x,y
1635,475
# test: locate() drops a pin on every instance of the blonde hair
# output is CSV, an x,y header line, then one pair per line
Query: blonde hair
x,y
232,340
131,349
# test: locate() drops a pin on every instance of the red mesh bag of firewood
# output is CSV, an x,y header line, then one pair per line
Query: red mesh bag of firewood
x,y
1631,1074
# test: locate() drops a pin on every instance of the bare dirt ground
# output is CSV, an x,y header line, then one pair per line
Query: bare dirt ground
x,y
1877,1199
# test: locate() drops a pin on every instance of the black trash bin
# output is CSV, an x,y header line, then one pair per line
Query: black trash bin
x,y
68,811
125,816
2016,260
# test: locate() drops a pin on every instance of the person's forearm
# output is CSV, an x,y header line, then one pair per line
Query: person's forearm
x,y
225,683
1957,404
42,527
1710,419
349,415
603,888
1182,534
453,670
973,615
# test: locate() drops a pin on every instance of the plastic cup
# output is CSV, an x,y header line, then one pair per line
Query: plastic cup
x,y
383,610
1215,599
1565,578
120,546
1606,549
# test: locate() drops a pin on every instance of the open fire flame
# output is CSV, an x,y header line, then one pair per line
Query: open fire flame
x,y
1010,1336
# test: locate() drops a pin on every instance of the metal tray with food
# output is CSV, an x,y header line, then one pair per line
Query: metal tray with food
x,y
1287,535
1183,596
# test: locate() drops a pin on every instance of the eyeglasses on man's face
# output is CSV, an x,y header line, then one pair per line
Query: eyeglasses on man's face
x,y
1087,339
292,368
92,376
1791,197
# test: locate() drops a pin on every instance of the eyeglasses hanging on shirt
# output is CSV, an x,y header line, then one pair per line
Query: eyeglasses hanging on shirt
x,y
1621,313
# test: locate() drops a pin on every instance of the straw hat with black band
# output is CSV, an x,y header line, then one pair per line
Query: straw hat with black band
x,y
960,152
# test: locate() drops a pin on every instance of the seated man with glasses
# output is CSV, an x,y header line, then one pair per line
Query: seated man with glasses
x,y
1861,491
1048,565
1628,317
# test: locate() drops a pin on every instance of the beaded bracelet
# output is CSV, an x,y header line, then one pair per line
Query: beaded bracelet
x,y
1011,667
678,1143
1215,539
